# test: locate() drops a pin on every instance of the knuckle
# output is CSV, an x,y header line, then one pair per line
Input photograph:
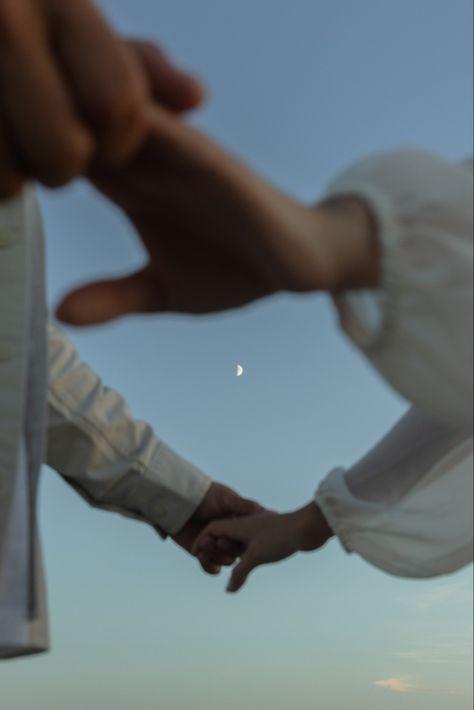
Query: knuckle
x,y
119,109
69,159
9,18
213,531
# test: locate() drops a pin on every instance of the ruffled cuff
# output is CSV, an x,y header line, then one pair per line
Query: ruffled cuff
x,y
367,315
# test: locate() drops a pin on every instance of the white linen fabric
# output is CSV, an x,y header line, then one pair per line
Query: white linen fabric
x,y
114,461
406,507
17,574
14,568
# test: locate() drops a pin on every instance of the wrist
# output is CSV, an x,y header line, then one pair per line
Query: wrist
x,y
312,529
350,233
331,248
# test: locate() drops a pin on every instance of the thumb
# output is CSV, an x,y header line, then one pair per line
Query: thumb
x,y
241,571
103,301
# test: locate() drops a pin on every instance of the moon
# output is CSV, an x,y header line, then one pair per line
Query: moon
x,y
239,371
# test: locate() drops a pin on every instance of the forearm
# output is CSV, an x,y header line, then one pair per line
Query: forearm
x,y
350,232
114,461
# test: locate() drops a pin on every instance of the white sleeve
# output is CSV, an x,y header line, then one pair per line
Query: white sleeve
x,y
417,328
406,507
112,460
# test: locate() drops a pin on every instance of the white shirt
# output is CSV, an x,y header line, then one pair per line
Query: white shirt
x,y
14,567
114,461
406,507
20,596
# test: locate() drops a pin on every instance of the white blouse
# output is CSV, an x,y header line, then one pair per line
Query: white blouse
x,y
406,506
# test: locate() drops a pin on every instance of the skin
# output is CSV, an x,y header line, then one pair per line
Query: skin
x,y
217,235
264,538
73,91
219,502
76,99
88,100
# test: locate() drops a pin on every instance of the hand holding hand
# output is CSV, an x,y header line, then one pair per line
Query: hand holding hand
x,y
217,236
72,90
219,502
264,538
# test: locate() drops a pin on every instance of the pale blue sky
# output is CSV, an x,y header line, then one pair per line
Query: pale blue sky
x,y
300,89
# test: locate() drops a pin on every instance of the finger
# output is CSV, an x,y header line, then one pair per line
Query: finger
x,y
212,551
242,571
175,89
51,144
208,566
231,529
217,558
228,547
105,300
107,80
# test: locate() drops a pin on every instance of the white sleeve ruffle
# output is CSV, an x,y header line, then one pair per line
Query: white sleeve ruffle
x,y
407,506
417,328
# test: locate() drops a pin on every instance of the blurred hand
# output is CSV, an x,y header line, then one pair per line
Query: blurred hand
x,y
72,90
217,236
264,538
219,502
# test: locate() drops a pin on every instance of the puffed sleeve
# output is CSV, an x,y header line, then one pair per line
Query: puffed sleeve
x,y
406,507
417,328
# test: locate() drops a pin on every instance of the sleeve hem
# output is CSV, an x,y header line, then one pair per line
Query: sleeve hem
x,y
174,508
366,315
166,488
326,498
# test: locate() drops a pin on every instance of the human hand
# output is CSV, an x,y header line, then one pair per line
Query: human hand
x,y
217,236
72,90
264,538
219,502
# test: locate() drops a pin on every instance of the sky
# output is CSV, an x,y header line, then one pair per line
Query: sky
x,y
299,90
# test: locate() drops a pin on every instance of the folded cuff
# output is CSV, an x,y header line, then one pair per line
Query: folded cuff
x,y
181,488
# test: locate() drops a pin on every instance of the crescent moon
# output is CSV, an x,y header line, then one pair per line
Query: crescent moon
x,y
240,371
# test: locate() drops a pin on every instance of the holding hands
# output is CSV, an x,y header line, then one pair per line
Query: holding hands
x,y
75,95
76,100
73,91
219,502
263,538
218,236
